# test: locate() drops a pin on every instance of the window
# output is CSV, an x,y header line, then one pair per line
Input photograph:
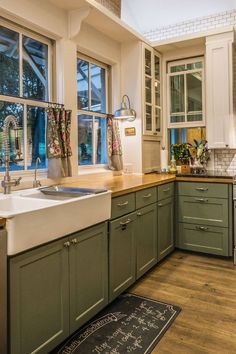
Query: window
x,y
25,68
92,101
186,92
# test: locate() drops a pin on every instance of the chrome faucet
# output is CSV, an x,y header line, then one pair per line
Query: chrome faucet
x,y
7,182
36,182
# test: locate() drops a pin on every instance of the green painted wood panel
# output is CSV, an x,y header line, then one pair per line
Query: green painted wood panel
x,y
165,212
207,211
146,239
145,197
122,254
88,274
165,191
39,299
203,189
122,205
201,238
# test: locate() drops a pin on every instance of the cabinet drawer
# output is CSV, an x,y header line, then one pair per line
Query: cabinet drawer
x,y
202,238
207,211
122,205
145,197
200,189
165,191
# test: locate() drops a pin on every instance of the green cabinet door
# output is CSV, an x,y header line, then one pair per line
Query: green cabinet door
x,y
122,254
88,274
39,304
146,239
165,228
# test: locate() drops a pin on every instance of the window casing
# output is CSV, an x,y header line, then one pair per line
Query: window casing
x,y
92,104
185,92
25,88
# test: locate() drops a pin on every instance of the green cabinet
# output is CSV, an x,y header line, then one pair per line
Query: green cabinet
x,y
39,299
88,261
146,239
204,217
56,288
122,254
165,212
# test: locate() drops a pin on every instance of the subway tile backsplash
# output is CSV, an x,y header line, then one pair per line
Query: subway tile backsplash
x,y
225,159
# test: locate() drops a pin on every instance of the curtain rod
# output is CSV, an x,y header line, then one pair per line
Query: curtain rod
x,y
35,100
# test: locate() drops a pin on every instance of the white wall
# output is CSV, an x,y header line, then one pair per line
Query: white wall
x,y
145,15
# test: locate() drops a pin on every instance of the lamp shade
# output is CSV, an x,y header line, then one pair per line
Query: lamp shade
x,y
125,112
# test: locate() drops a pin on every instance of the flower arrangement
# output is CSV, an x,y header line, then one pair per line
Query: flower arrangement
x,y
187,152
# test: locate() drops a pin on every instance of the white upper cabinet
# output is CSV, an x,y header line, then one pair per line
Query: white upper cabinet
x,y
219,91
152,111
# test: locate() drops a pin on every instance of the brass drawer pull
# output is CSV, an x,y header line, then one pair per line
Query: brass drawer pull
x,y
139,214
202,228
201,189
160,204
66,244
147,195
201,200
166,190
123,204
125,222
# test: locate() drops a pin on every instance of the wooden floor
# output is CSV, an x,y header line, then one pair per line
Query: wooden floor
x,y
205,288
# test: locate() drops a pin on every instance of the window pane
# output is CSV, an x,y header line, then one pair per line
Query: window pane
x,y
177,93
16,110
85,139
177,119
194,91
193,66
9,62
157,119
82,84
194,117
98,88
100,140
36,136
35,69
157,94
187,135
175,69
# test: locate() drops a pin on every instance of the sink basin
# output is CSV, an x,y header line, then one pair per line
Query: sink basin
x,y
70,191
33,220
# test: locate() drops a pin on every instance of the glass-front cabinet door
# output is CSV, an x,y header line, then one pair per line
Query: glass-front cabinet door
x,y
152,116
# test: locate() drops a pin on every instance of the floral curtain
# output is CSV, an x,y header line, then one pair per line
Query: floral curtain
x,y
114,148
58,142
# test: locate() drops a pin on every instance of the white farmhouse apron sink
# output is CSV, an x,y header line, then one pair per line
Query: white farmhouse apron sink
x,y
32,221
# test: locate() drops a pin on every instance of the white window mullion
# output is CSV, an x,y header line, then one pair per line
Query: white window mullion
x,y
89,87
185,97
21,64
93,141
25,137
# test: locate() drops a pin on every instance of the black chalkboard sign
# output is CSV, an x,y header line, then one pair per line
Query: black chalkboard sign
x,y
131,324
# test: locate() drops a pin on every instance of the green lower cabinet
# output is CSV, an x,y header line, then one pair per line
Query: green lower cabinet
x,y
165,238
39,299
56,288
146,239
202,238
88,274
122,254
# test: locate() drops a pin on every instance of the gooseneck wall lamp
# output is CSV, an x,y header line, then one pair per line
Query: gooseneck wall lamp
x,y
125,112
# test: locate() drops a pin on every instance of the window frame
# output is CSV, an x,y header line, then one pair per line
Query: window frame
x,y
28,101
91,113
186,124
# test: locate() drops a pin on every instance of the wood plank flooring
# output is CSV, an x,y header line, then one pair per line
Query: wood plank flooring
x,y
205,288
